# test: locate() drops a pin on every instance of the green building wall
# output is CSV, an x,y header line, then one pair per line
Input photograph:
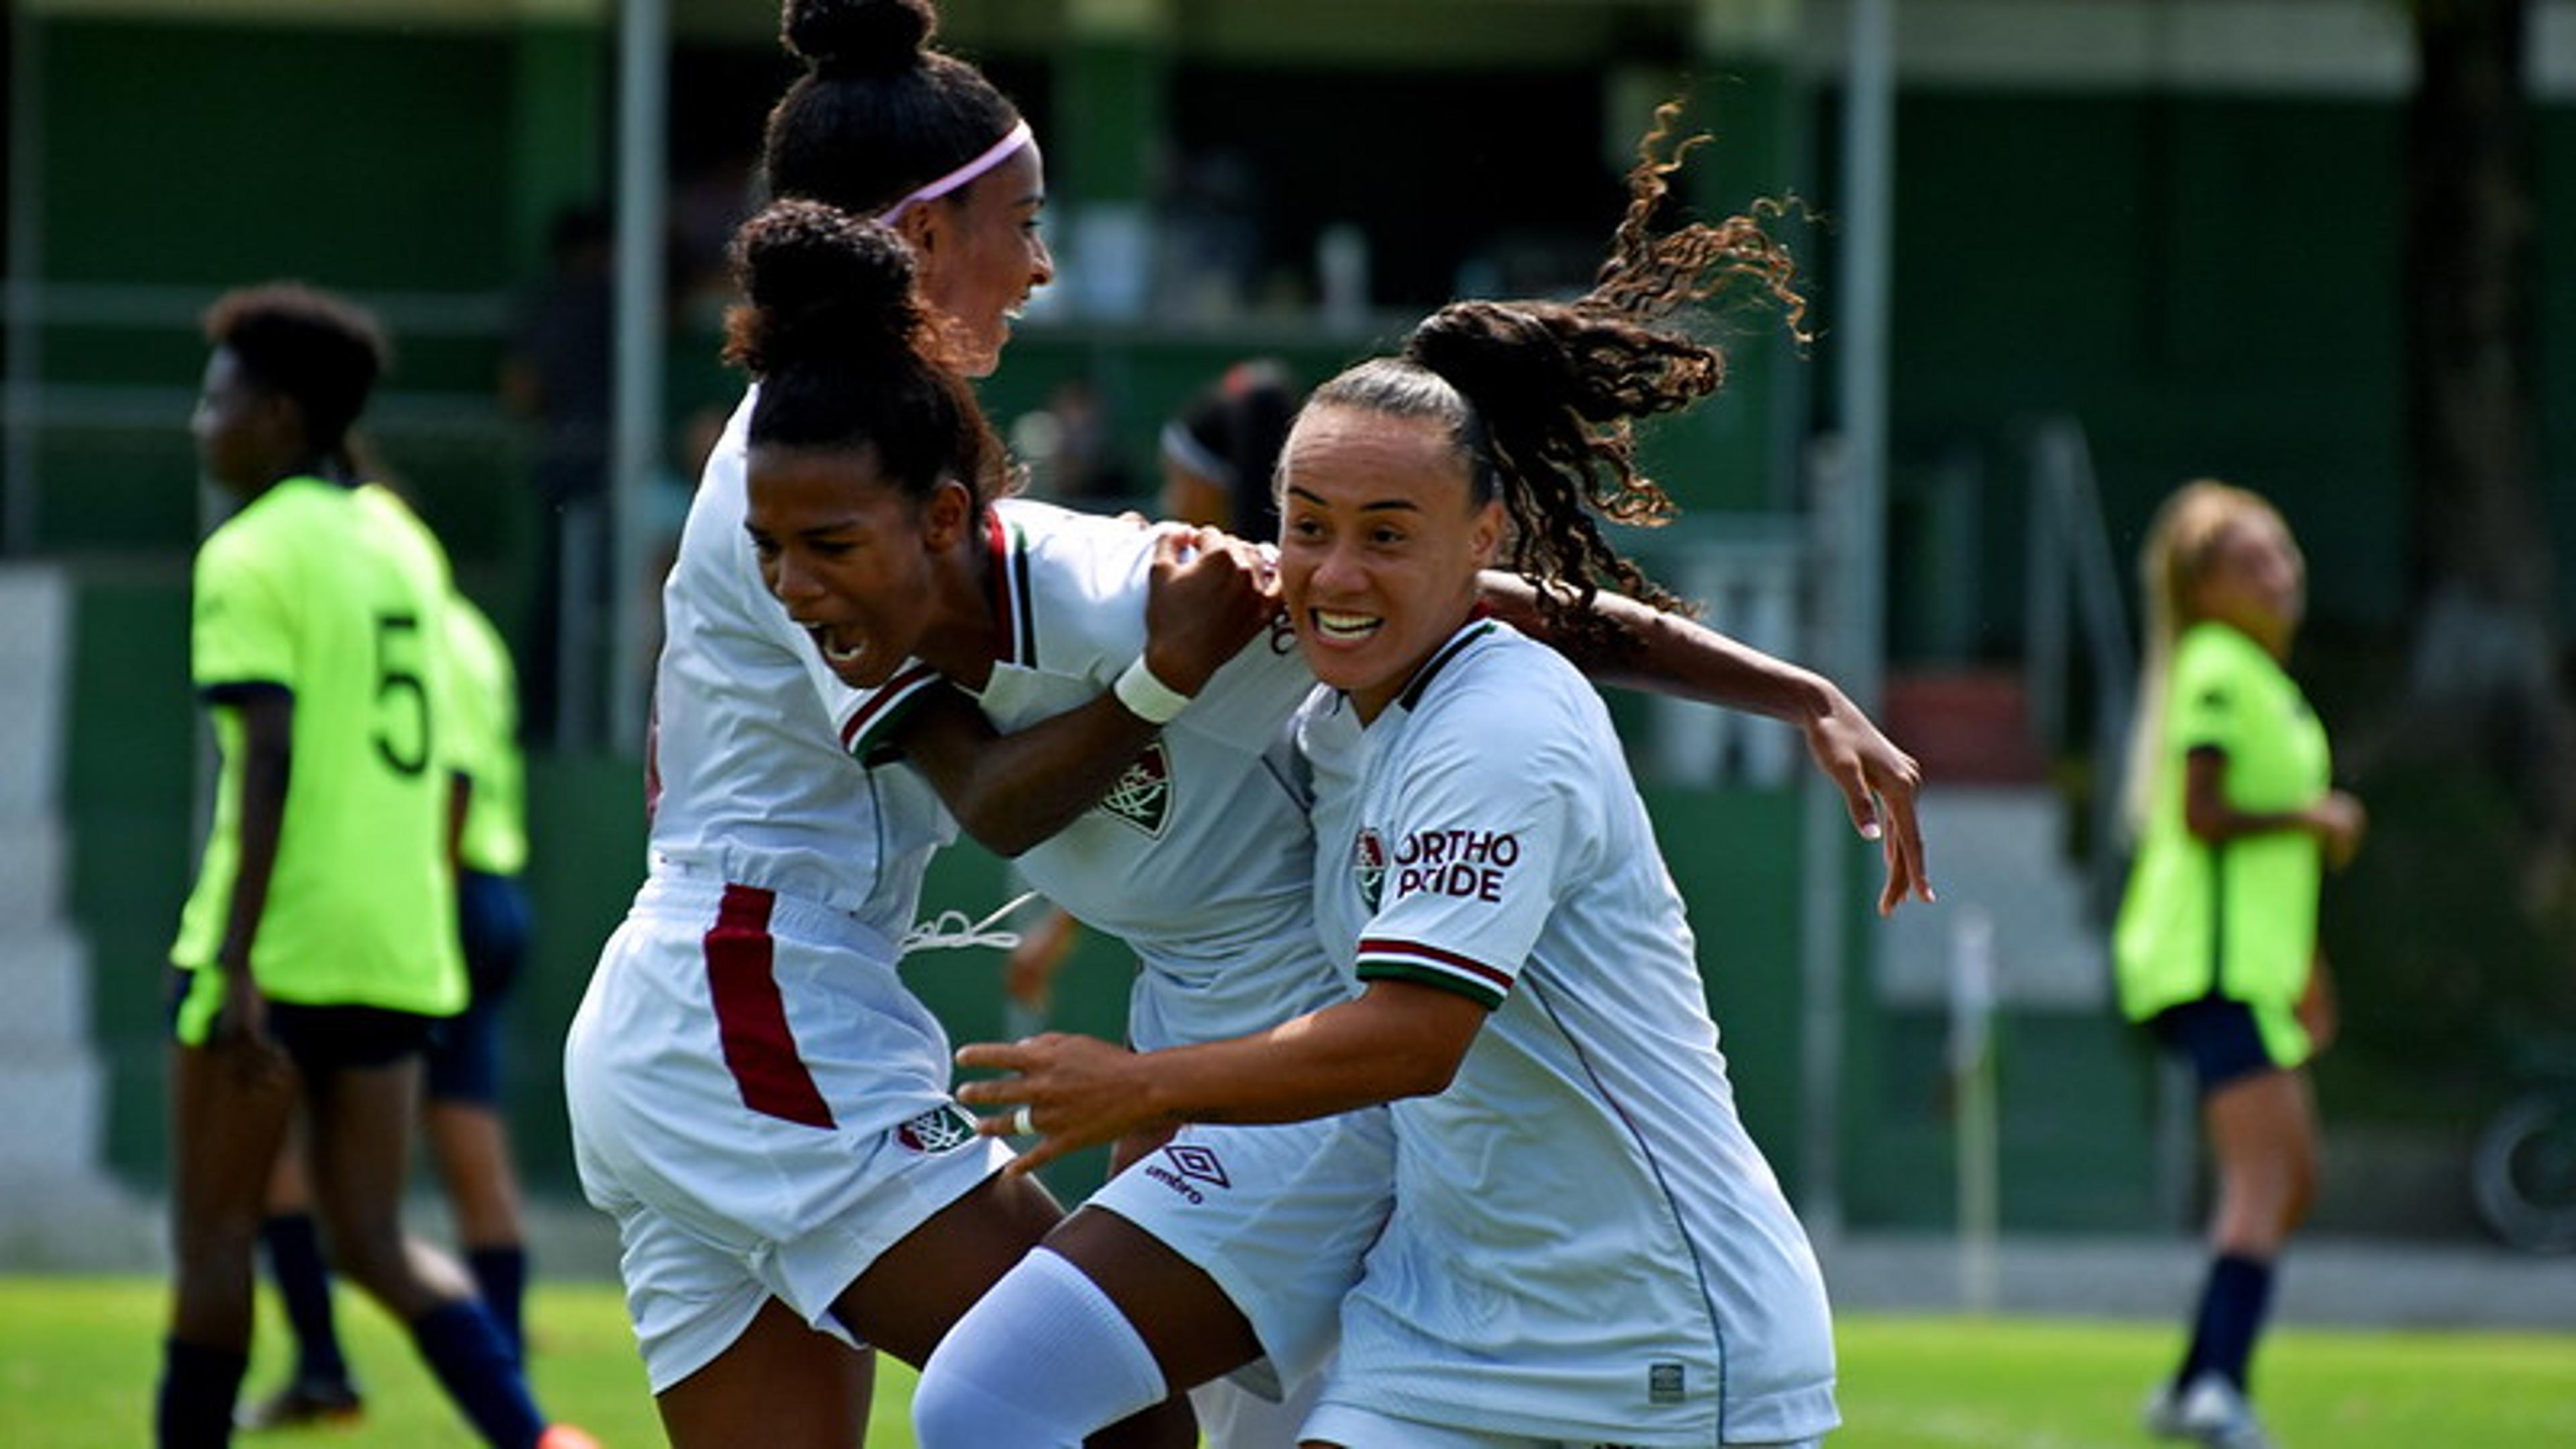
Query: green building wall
x,y
2208,282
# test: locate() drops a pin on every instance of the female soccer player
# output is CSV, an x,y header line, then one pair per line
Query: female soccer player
x,y
1200,860
1584,1245
754,1094
1420,470
2216,947
318,947
970,230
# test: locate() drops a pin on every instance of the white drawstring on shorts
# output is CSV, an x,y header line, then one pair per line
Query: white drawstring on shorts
x,y
952,931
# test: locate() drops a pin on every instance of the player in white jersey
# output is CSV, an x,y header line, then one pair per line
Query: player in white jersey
x,y
755,1096
1495,849
991,1379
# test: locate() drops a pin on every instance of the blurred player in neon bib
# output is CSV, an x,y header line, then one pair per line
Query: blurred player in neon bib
x,y
317,952
467,1133
2231,795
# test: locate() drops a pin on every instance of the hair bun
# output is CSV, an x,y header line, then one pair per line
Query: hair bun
x,y
824,286
858,37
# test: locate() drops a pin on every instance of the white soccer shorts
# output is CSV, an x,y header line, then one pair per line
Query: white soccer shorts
x,y
1280,1216
762,1106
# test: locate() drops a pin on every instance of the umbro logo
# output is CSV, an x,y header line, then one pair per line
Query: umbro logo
x,y
1183,1166
1198,1163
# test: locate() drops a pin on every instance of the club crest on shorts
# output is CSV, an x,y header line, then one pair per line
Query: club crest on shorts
x,y
1142,795
941,1129
1368,866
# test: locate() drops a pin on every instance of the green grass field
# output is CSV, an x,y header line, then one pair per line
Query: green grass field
x,y
77,1359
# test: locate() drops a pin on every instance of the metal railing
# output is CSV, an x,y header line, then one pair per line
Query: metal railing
x,y
2074,581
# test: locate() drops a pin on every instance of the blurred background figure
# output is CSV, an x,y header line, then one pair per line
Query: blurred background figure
x,y
2236,816
468,1136
1071,457
316,956
1218,455
558,378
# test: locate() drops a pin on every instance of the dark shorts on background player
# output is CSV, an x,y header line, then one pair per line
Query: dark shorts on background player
x,y
465,1050
2218,1036
317,1038
492,927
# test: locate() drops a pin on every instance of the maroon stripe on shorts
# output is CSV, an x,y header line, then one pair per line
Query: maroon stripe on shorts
x,y
751,1020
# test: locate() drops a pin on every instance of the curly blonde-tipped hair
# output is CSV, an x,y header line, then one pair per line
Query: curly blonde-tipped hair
x,y
2182,541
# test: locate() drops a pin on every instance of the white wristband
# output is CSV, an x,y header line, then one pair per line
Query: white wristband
x,y
1146,697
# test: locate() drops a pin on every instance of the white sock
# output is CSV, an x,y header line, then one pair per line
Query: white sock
x,y
1041,1361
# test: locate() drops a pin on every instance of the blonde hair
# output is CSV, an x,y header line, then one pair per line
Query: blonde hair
x,y
2182,540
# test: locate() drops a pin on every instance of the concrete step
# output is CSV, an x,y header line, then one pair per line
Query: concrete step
x,y
46,971
1997,852
35,855
58,1098
35,657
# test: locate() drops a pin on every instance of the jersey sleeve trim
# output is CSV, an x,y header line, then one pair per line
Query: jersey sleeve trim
x,y
1381,959
236,691
865,732
1010,576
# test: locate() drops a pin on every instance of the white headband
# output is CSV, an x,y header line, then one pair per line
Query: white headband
x,y
999,152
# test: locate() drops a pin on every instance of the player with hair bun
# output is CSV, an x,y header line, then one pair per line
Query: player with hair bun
x,y
1200,861
1584,1245
755,1096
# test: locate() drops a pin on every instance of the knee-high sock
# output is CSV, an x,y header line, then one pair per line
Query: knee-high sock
x,y
1041,1361
2233,1303
501,1277
304,1286
474,1365
193,1408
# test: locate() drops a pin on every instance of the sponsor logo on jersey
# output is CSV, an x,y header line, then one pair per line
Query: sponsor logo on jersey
x,y
1468,864
1664,1383
1142,796
941,1129
1182,1166
1368,864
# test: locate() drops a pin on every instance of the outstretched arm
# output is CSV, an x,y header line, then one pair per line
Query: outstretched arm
x,y
1209,595
1670,655
1397,1039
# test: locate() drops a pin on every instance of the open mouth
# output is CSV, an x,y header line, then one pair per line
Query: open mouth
x,y
835,653
1345,628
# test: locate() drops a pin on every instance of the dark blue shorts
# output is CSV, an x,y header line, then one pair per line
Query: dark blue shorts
x,y
321,1039
465,1051
2218,1036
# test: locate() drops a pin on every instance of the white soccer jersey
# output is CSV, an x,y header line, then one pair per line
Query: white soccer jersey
x,y
1199,858
753,1092
1585,1244
747,787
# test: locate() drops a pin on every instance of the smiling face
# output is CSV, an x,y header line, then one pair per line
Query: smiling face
x,y
1379,545
981,254
853,557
